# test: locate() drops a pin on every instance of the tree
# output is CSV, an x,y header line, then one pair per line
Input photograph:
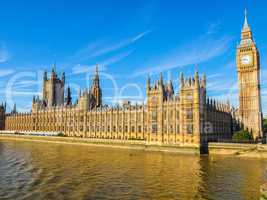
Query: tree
x,y
265,125
242,135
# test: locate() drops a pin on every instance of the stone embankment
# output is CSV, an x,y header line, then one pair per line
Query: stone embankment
x,y
241,150
113,143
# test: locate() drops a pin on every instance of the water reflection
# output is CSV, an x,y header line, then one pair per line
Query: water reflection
x,y
58,171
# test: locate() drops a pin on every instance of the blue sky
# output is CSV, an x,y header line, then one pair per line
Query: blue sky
x,y
129,40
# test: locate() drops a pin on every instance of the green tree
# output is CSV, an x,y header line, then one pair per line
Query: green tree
x,y
265,125
242,136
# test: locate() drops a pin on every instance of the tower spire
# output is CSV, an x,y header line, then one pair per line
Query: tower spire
x,y
246,26
246,34
96,69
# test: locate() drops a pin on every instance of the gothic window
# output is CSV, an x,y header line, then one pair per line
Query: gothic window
x,y
139,129
170,114
132,129
165,128
189,114
178,129
171,130
154,115
125,128
154,128
189,128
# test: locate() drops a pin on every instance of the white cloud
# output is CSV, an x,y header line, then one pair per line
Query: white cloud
x,y
138,37
101,48
4,54
79,68
212,76
200,50
6,72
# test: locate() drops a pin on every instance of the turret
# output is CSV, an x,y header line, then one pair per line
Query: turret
x,y
196,79
63,77
53,74
45,76
14,110
170,90
161,80
96,90
148,83
181,79
79,93
68,99
203,81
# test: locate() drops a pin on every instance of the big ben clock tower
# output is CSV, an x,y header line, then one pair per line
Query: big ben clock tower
x,y
248,68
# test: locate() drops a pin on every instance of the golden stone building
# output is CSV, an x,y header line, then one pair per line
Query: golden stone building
x,y
248,67
183,118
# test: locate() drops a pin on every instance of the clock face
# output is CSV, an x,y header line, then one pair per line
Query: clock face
x,y
246,59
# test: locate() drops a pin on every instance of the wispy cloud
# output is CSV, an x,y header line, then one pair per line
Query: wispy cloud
x,y
212,76
200,50
141,35
214,27
4,54
6,72
79,68
101,48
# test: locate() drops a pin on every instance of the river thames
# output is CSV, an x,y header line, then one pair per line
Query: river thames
x,y
32,170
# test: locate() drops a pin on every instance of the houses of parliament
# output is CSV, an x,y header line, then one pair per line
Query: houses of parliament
x,y
168,117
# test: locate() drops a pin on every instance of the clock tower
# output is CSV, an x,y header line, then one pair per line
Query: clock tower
x,y
248,68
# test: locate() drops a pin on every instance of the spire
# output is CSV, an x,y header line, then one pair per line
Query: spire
x,y
96,90
55,66
14,111
246,34
96,69
196,75
63,77
148,82
161,79
170,88
246,26
204,80
79,93
96,76
53,74
68,97
45,75
181,79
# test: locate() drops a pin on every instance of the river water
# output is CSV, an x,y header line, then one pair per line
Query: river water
x,y
32,170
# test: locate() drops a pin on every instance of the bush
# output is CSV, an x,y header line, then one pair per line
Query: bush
x,y
61,134
242,136
265,125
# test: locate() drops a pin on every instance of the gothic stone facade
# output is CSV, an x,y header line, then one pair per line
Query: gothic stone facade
x,y
184,119
248,67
